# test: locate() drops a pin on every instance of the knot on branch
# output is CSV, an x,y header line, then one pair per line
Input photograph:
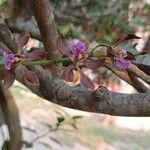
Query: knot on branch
x,y
102,94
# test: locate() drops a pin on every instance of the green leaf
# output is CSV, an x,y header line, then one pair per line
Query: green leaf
x,y
6,145
27,144
60,120
76,117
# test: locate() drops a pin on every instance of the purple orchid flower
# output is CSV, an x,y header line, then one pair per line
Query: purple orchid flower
x,y
9,59
76,50
121,62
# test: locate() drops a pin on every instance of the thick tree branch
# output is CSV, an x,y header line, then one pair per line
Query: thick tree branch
x,y
22,25
45,20
6,37
99,101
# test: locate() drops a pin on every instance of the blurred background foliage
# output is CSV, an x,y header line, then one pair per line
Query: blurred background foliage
x,y
102,20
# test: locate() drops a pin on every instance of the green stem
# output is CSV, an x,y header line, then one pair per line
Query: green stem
x,y
44,62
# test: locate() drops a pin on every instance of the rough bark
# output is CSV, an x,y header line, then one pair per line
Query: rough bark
x,y
45,20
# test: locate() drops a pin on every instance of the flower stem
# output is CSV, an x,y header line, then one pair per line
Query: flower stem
x,y
44,62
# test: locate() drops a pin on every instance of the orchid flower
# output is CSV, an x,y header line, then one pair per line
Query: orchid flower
x,y
121,61
77,51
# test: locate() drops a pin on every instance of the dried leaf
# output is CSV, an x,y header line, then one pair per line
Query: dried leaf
x,y
93,63
130,37
23,39
68,74
125,39
36,55
86,81
30,77
130,56
62,45
9,79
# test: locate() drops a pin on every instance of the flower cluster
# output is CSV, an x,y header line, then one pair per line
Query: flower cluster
x,y
10,61
77,51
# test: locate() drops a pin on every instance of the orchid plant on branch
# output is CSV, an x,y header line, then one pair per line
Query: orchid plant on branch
x,y
36,68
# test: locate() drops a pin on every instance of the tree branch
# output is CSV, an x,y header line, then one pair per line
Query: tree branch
x,y
124,75
45,20
139,73
10,112
6,37
99,101
22,25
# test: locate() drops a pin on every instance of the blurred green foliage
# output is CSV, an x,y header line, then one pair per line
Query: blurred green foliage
x,y
2,3
106,19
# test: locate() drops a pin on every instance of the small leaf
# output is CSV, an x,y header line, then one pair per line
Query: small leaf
x,y
125,39
27,144
23,39
125,43
62,45
36,55
55,140
68,74
130,37
30,77
93,63
9,79
5,145
86,81
60,119
76,117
